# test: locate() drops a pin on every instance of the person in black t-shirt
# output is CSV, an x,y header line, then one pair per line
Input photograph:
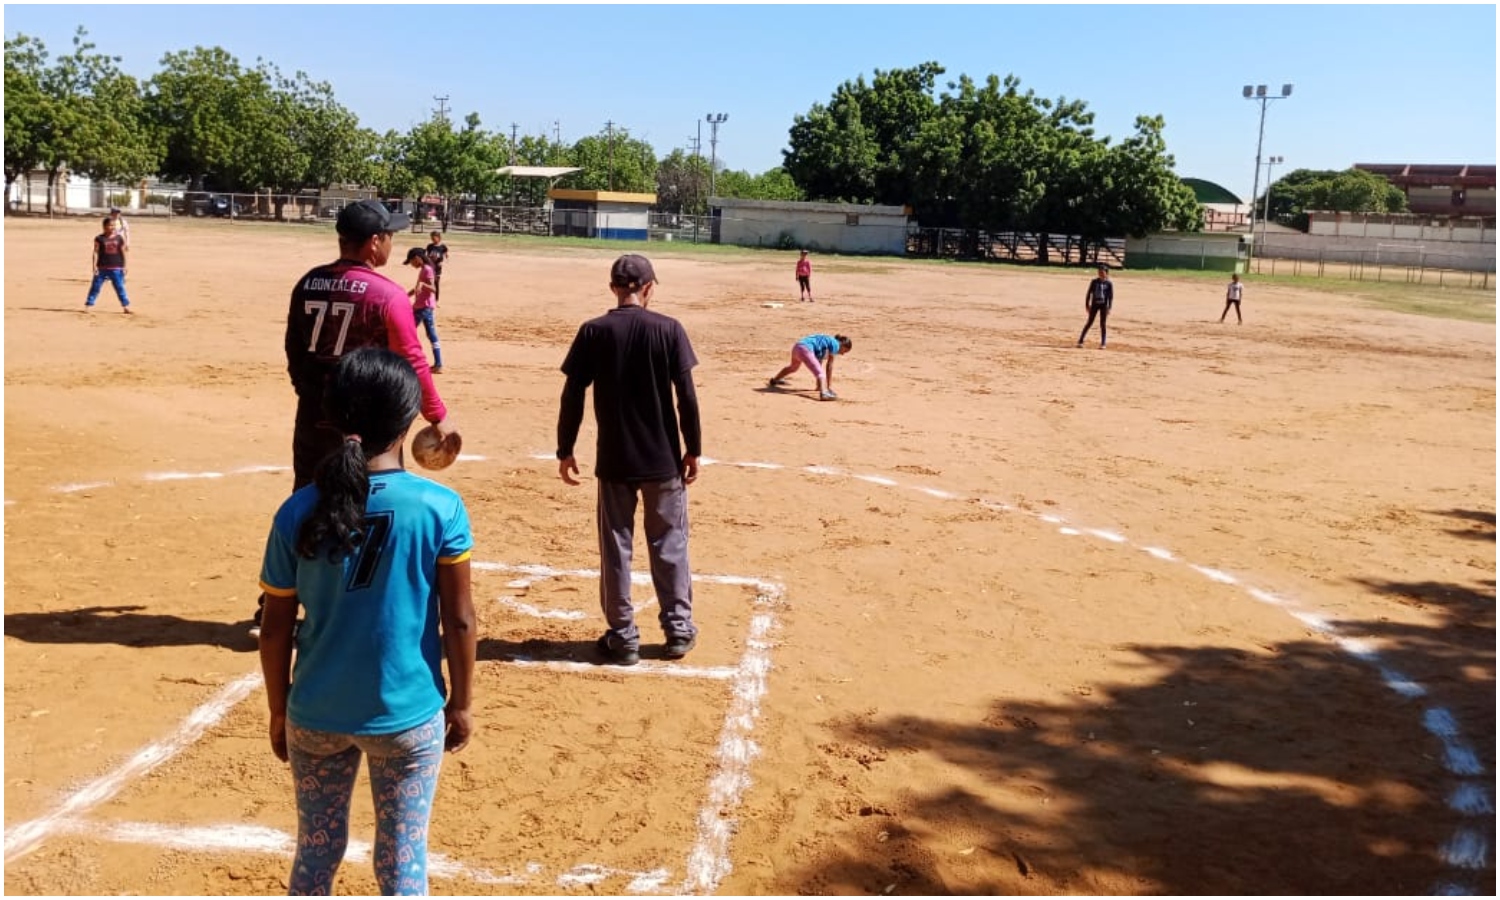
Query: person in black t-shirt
x,y
1098,301
636,359
437,254
109,264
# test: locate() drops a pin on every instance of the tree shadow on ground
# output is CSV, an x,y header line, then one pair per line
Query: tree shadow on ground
x,y
1482,529
126,626
1290,772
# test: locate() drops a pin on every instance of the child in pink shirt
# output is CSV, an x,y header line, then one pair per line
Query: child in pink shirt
x,y
424,303
804,278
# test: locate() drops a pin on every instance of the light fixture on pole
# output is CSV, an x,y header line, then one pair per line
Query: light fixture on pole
x,y
714,120
1265,215
1258,92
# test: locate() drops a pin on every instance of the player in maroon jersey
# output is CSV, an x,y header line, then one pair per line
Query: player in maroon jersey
x,y
343,305
338,307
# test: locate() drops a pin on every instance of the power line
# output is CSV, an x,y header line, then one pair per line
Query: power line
x,y
442,109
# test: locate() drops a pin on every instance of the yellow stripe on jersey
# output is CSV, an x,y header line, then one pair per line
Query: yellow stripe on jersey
x,y
287,593
455,560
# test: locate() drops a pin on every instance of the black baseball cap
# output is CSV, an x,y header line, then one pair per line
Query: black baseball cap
x,y
368,218
631,271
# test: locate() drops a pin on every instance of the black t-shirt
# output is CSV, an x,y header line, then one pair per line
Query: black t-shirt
x,y
634,358
1102,293
436,253
110,250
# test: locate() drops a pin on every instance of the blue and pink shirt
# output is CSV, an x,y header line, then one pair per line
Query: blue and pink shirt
x,y
823,346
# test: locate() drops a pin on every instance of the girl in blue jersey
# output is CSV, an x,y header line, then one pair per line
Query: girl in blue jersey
x,y
817,352
378,560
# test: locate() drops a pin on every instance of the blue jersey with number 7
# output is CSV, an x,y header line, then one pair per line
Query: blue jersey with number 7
x,y
369,653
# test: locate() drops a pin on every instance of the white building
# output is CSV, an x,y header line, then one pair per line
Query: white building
x,y
825,227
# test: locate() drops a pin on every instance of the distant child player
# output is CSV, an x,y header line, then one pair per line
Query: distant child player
x,y
804,278
109,263
437,254
424,302
1098,301
1232,297
817,352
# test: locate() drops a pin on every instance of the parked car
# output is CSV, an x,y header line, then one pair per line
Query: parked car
x,y
224,205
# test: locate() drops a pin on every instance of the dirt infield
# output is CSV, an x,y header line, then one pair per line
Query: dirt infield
x,y
1208,612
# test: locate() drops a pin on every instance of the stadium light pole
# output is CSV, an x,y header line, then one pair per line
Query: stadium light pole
x,y
1266,206
714,120
1258,92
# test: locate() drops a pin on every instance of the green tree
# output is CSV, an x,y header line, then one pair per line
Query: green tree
x,y
453,162
682,184
308,140
213,113
1302,191
91,119
28,115
983,156
613,161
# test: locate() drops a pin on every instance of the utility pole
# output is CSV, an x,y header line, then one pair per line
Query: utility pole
x,y
714,121
513,129
556,131
610,126
442,109
1258,92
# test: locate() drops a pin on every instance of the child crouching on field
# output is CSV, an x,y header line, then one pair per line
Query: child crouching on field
x,y
817,352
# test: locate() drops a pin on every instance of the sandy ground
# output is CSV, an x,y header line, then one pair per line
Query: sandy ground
x,y
1208,612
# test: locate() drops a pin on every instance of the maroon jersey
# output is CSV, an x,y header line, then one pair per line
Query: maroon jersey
x,y
109,251
344,305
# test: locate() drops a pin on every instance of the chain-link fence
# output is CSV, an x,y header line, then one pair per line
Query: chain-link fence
x,y
1422,268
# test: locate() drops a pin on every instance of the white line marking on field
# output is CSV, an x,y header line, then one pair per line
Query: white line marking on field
x,y
1159,553
1110,536
252,470
539,613
1472,800
877,479
1069,531
180,476
708,863
758,465
259,839
81,486
938,493
24,838
1214,574
1401,684
1468,849
471,457
645,667
822,470
1051,519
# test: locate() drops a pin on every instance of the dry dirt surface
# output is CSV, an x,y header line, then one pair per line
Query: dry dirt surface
x,y
1208,612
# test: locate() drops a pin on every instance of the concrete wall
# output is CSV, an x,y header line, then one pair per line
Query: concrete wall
x,y
824,227
1427,229
1207,251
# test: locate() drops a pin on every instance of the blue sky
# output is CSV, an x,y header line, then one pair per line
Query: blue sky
x,y
1380,84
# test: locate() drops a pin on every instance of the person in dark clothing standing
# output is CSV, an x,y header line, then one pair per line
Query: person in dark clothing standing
x,y
636,359
1098,300
437,254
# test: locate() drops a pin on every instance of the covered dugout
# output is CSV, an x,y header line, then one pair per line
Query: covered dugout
x,y
615,215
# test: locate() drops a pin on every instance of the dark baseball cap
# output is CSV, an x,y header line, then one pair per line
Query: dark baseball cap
x,y
368,218
631,271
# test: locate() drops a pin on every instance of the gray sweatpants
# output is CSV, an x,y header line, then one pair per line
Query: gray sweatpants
x,y
666,541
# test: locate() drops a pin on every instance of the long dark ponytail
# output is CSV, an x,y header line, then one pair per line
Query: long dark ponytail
x,y
371,398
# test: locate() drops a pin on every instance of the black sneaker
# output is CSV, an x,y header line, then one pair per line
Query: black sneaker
x,y
678,647
616,652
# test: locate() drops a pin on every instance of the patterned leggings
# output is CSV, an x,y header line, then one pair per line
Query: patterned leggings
x,y
403,778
